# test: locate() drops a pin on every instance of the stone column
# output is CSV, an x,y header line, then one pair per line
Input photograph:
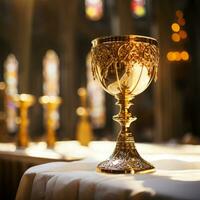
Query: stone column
x,y
68,13
167,99
22,11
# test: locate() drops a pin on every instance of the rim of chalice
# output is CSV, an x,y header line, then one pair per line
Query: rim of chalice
x,y
133,38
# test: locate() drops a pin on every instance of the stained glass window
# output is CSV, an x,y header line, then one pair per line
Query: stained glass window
x,y
96,98
94,9
11,80
51,74
51,86
138,8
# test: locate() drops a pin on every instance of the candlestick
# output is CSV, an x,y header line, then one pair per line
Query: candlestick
x,y
84,131
50,104
23,101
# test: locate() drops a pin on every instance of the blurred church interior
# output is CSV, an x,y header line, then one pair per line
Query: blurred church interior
x,y
44,51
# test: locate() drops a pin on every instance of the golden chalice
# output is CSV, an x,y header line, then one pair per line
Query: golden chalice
x,y
23,101
125,66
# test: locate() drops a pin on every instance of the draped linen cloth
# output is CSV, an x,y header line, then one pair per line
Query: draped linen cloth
x,y
176,177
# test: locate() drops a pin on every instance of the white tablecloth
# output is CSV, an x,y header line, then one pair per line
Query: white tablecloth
x,y
177,176
15,161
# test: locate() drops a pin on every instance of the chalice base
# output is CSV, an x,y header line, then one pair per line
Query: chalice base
x,y
123,162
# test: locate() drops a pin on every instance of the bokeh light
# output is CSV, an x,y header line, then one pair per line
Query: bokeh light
x,y
185,55
183,34
181,21
178,56
179,14
176,37
94,9
138,8
170,56
175,27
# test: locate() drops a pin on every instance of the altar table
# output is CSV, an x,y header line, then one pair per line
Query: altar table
x,y
15,161
177,177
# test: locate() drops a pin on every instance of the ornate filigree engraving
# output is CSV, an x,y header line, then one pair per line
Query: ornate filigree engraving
x,y
127,53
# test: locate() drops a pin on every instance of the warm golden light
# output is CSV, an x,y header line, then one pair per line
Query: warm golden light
x,y
82,92
184,55
181,21
175,27
171,56
51,105
179,14
177,56
176,37
2,86
183,34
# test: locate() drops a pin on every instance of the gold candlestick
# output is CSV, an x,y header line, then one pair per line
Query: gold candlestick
x,y
23,101
125,66
84,130
50,104
3,128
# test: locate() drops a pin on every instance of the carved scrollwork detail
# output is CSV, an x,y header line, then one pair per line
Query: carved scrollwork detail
x,y
123,52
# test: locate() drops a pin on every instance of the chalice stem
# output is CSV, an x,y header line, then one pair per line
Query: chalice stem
x,y
125,158
124,118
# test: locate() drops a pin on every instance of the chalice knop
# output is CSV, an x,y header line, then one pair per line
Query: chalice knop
x,y
125,66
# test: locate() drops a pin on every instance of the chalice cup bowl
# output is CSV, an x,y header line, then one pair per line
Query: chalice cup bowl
x,y
125,66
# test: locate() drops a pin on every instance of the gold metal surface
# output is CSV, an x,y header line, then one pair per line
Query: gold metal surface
x,y
51,104
84,130
125,66
23,101
3,126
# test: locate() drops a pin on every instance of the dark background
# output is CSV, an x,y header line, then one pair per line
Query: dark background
x,y
167,110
